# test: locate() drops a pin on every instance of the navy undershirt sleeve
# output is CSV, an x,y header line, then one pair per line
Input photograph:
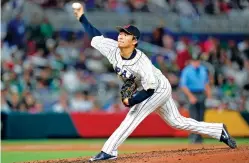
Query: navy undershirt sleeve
x,y
89,28
140,96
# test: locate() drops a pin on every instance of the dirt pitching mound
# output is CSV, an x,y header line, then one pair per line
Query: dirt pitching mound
x,y
184,155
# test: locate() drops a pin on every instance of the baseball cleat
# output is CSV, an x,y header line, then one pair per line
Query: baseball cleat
x,y
102,156
227,139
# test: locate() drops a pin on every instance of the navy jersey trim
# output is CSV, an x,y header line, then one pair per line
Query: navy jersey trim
x,y
132,55
137,60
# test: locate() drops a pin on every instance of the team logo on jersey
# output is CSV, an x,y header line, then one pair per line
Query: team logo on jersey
x,y
124,73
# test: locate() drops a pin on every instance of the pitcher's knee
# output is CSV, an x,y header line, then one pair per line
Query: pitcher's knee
x,y
177,123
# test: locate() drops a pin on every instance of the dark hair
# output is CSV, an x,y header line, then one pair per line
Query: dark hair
x,y
134,38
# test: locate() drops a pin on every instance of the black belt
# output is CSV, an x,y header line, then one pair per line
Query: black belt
x,y
197,92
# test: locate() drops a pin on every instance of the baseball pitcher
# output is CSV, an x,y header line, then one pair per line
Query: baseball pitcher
x,y
145,88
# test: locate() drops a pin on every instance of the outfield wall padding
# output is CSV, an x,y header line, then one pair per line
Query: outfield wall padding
x,y
104,124
32,126
98,124
235,122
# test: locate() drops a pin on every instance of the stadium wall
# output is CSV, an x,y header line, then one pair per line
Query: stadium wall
x,y
176,35
99,124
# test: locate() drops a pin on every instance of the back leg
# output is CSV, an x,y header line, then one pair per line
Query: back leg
x,y
170,114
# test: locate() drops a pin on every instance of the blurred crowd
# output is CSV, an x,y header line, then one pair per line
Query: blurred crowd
x,y
182,7
199,7
227,63
45,70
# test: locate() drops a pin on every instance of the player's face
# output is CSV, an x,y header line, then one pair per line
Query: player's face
x,y
126,40
196,63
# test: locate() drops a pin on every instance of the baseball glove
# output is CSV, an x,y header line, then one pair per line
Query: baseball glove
x,y
128,89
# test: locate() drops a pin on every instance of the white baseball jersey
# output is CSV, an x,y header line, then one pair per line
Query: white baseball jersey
x,y
146,77
140,67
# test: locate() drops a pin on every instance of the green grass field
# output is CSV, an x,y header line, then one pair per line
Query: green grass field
x,y
19,156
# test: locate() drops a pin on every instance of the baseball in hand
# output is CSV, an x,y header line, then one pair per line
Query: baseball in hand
x,y
76,5
78,10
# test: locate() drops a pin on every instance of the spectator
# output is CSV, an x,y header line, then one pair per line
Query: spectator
x,y
111,5
67,49
30,104
185,8
245,98
234,54
70,80
211,7
169,46
14,102
81,102
116,106
224,6
38,59
161,64
27,83
4,104
63,104
46,29
16,32
122,8
183,55
217,59
34,31
209,45
232,70
138,5
157,36
110,92
231,91
99,4
3,29
12,82
229,88
46,91
80,64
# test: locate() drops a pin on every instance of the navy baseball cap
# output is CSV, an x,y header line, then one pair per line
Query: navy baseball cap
x,y
196,56
130,29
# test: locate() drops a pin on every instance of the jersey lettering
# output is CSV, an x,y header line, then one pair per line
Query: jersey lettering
x,y
123,73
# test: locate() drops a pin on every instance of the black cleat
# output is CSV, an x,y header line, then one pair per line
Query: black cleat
x,y
227,139
102,156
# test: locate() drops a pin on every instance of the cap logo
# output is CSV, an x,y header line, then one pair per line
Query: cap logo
x,y
127,26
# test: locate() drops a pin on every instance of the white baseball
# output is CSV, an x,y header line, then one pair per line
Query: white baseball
x,y
76,5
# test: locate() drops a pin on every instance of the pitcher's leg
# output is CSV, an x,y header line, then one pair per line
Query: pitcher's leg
x,y
171,115
132,120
